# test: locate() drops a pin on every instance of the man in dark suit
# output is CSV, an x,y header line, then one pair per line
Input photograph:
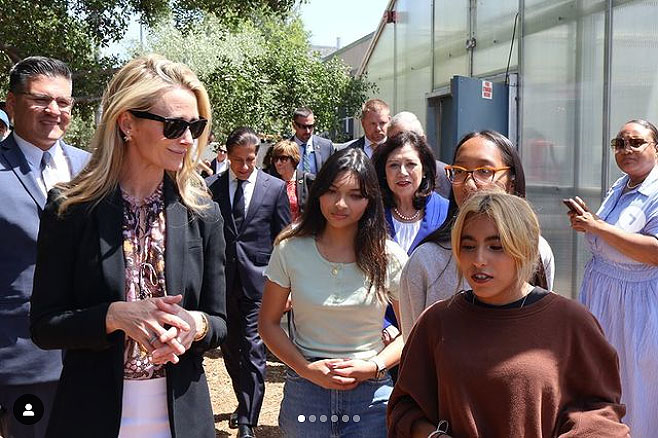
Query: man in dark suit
x,y
32,159
255,208
313,150
375,117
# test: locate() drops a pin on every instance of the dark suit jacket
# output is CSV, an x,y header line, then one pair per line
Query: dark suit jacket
x,y
21,205
80,271
442,184
248,249
303,187
323,149
359,143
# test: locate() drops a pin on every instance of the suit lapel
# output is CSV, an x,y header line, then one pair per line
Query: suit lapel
x,y
109,215
224,201
256,197
21,168
318,154
175,241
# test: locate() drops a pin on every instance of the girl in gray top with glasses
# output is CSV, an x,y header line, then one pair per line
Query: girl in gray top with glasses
x,y
482,160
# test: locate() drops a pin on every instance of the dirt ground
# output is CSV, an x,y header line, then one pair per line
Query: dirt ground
x,y
224,402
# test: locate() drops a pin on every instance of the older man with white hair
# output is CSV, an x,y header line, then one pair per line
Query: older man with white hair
x,y
407,121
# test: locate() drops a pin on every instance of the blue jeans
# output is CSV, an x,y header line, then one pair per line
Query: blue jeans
x,y
310,411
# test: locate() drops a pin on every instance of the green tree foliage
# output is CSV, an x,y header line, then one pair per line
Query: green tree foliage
x,y
253,56
258,71
75,31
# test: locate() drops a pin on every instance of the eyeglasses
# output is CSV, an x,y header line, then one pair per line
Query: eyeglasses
x,y
174,128
635,144
42,101
303,126
458,174
283,158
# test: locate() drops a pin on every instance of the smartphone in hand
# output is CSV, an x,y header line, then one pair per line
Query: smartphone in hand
x,y
570,203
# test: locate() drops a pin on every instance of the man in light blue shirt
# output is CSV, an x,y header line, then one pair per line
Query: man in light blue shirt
x,y
313,150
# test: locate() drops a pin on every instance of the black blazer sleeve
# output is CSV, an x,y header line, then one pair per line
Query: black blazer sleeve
x,y
55,321
212,299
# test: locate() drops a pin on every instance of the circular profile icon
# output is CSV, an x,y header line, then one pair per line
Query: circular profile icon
x,y
28,409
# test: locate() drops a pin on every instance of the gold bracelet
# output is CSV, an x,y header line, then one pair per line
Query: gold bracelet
x,y
204,329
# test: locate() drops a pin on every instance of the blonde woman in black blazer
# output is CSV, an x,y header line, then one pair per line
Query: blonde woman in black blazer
x,y
130,267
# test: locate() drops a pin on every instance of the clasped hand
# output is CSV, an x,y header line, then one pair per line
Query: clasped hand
x,y
343,374
145,321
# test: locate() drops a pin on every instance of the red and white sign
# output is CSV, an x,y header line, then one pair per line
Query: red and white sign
x,y
487,90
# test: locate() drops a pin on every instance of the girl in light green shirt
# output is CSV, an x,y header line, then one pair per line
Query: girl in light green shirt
x,y
341,272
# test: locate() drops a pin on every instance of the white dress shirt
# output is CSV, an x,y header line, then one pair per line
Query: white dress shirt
x,y
34,155
247,188
220,167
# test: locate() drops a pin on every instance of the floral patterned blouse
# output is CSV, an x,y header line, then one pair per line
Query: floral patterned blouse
x,y
143,252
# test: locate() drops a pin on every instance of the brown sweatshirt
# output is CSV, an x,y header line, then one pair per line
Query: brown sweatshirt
x,y
544,370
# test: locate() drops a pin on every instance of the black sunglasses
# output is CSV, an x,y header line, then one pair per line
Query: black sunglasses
x,y
303,126
634,143
174,128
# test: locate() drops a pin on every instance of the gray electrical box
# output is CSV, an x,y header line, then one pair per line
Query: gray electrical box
x,y
472,105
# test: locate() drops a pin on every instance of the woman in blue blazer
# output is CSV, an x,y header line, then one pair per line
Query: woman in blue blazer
x,y
129,279
407,173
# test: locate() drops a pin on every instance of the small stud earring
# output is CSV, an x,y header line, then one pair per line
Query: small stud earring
x,y
127,138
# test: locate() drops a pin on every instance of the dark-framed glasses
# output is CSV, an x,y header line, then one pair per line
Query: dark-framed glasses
x,y
43,101
174,128
485,174
283,158
634,144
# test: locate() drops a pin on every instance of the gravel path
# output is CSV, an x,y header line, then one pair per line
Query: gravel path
x,y
223,400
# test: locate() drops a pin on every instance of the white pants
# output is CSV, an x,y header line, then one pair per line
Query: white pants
x,y
145,413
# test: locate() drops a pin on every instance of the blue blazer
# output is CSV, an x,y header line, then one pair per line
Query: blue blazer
x,y
22,202
436,210
248,248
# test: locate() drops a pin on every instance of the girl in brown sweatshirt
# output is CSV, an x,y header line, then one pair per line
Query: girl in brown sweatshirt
x,y
505,359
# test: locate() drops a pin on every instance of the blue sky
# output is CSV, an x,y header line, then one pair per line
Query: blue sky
x,y
347,19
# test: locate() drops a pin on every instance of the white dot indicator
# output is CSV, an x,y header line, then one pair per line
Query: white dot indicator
x,y
346,418
301,418
356,418
334,418
323,418
311,418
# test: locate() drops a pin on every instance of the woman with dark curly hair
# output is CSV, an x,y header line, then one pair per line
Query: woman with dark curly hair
x,y
341,272
406,170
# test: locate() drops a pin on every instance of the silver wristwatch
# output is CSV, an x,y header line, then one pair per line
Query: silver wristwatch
x,y
381,367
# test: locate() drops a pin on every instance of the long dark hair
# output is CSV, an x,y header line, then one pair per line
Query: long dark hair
x,y
370,240
511,159
427,160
